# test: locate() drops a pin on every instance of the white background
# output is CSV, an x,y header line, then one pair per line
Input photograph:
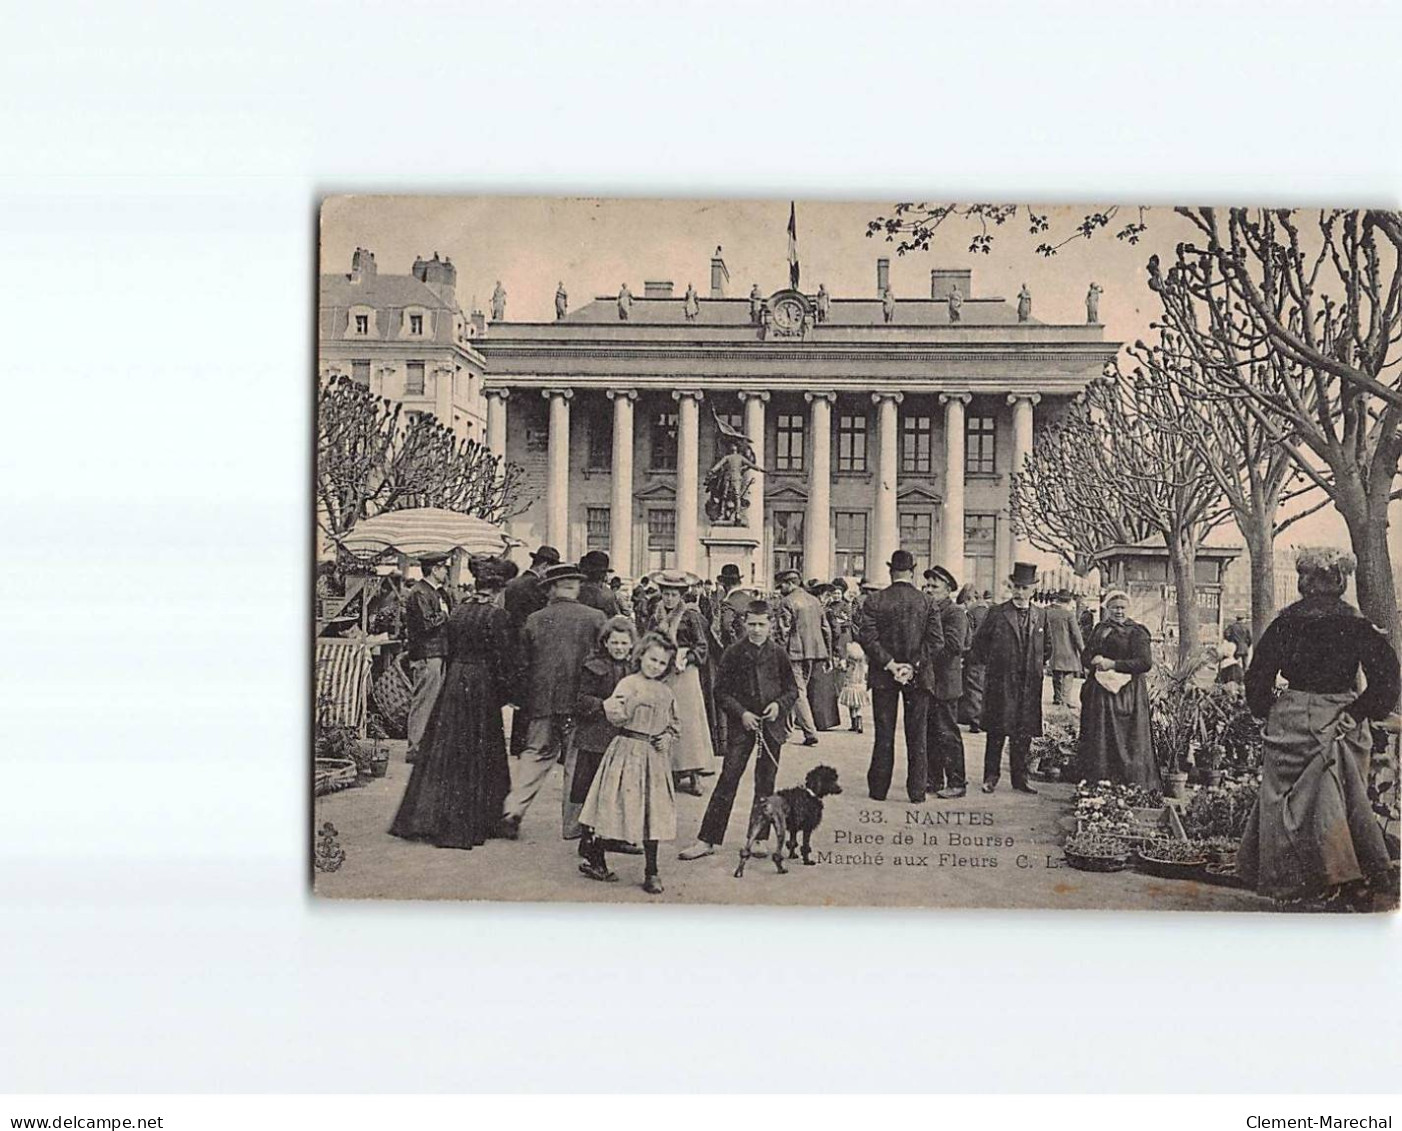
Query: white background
x,y
160,167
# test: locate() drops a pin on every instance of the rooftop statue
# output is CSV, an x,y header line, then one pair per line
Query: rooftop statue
x,y
498,303
625,302
562,302
691,305
1093,303
956,300
1024,304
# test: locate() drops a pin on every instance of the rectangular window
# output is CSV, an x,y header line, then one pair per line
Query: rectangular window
x,y
851,441
850,543
788,541
597,527
915,445
661,538
917,529
788,454
601,441
362,324
414,379
733,420
360,373
664,442
416,323
979,433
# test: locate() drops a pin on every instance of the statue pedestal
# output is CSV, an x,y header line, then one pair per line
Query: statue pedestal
x,y
733,545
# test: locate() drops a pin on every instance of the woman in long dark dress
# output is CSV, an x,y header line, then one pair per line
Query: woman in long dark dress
x,y
461,779
1312,831
1116,741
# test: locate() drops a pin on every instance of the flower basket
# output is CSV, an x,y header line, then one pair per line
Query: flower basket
x,y
333,774
379,763
1185,868
1097,863
1223,874
393,693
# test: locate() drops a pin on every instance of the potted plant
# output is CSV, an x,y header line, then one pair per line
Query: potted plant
x,y
1209,764
1171,859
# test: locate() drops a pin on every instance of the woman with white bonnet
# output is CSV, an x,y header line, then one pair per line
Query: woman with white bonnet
x,y
1116,742
1313,832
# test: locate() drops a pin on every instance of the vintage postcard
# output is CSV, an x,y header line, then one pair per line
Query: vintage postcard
x,y
890,554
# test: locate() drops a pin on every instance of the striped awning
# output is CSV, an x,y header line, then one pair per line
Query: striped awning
x,y
424,530
342,679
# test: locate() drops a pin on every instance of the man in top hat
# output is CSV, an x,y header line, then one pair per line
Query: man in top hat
x,y
944,745
1014,644
899,629
425,629
1067,644
804,635
594,591
554,643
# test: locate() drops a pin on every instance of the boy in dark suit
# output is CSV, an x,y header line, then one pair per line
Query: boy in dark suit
x,y
944,745
756,688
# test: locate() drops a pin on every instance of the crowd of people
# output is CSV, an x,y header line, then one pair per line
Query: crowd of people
x,y
647,693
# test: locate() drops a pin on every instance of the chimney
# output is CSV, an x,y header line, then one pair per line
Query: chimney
x,y
362,266
479,323
883,275
944,281
662,289
719,275
438,275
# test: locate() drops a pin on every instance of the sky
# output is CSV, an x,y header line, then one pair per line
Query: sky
x,y
531,244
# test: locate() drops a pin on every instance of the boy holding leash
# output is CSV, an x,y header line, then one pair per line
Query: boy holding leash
x,y
755,687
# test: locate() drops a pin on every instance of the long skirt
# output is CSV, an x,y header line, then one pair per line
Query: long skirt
x,y
1312,827
632,799
971,703
693,750
1116,742
460,779
822,697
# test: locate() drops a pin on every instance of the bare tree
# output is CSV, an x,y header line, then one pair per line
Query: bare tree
x,y
1300,326
916,224
373,456
1116,461
1253,472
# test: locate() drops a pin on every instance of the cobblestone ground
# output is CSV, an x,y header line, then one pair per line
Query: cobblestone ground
x,y
1000,850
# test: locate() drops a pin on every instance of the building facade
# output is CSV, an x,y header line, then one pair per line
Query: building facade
x,y
879,424
406,338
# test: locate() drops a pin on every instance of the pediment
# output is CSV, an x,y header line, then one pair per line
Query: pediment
x,y
919,493
787,493
657,491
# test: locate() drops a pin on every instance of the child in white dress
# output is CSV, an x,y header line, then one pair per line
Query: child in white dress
x,y
632,798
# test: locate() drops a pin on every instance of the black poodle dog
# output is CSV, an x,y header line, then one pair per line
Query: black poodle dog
x,y
791,811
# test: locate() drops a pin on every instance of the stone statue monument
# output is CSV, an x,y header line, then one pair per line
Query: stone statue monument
x,y
1093,303
824,302
691,305
888,305
1024,304
756,304
956,300
562,301
625,302
728,481
498,302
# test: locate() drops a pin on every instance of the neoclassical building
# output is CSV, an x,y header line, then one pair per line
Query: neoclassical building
x,y
879,424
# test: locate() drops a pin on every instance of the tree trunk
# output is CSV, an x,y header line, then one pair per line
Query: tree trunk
x,y
1260,546
1182,559
1377,596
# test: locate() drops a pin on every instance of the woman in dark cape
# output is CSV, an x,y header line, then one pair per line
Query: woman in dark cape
x,y
460,780
1116,742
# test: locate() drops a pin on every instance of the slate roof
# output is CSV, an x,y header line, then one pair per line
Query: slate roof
x,y
381,291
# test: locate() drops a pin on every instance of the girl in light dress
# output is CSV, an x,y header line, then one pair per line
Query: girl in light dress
x,y
853,695
632,798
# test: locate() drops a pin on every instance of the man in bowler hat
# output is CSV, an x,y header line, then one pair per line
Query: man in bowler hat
x,y
594,590
1015,645
899,629
523,595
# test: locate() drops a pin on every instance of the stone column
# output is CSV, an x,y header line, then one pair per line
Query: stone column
x,y
557,487
443,395
380,376
1022,448
688,475
496,420
886,530
621,485
952,519
817,523
754,403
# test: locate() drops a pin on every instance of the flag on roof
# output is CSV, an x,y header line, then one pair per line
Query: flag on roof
x,y
793,247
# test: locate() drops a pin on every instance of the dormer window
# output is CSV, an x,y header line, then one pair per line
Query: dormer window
x,y
416,323
362,324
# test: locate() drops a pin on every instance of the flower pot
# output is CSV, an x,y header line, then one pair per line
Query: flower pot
x,y
1097,863
1175,785
1212,778
379,765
